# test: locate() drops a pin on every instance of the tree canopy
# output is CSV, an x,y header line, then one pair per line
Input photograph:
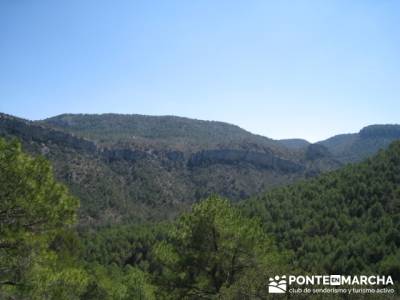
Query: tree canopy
x,y
215,250
344,222
34,210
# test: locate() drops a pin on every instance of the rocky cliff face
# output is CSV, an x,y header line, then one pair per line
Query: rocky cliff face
x,y
234,157
380,131
127,155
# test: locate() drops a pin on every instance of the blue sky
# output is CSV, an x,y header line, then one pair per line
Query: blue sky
x,y
282,69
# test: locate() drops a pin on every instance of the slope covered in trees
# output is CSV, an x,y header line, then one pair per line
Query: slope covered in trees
x,y
158,131
214,251
136,168
210,252
343,222
131,168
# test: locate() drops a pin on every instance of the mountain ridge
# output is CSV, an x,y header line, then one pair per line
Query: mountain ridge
x,y
167,166
110,128
354,147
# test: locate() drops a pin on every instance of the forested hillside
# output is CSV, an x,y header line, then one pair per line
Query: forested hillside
x,y
212,251
343,222
132,168
129,168
159,131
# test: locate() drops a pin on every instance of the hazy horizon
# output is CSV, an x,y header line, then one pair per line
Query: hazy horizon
x,y
287,69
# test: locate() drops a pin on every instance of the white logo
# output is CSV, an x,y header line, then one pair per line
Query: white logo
x,y
335,280
277,285
280,284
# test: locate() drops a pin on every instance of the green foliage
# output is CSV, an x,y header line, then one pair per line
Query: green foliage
x,y
214,250
34,210
111,282
40,254
120,261
50,278
122,245
344,222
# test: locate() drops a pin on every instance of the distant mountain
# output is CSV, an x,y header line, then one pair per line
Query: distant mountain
x,y
126,168
358,146
153,167
294,143
160,131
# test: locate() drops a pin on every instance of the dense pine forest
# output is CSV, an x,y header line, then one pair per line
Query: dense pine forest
x,y
344,222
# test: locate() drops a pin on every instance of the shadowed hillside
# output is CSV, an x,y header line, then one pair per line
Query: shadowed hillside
x,y
127,168
358,146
